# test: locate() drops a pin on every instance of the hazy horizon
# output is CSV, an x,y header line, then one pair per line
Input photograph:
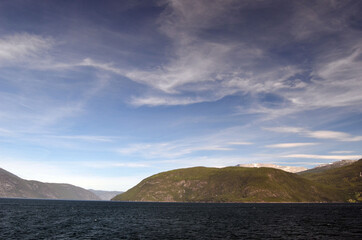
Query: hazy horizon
x,y
101,94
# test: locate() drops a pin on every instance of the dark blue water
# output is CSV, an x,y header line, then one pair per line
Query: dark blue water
x,y
53,219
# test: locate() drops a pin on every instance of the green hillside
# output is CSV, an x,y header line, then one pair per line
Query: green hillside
x,y
231,184
325,167
346,179
12,186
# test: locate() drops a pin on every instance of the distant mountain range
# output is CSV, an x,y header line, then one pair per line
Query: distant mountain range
x,y
291,169
12,186
240,184
105,195
327,166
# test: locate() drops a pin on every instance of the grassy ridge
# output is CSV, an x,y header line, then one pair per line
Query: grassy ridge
x,y
232,184
329,166
345,179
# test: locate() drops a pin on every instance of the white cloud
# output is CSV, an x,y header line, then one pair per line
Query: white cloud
x,y
290,145
341,152
327,134
200,69
20,47
336,81
340,136
334,135
87,138
332,157
168,149
345,67
285,129
208,69
206,161
240,143
227,139
88,62
193,65
33,107
165,101
340,73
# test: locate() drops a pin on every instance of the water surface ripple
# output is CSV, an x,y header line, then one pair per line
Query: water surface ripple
x,y
55,219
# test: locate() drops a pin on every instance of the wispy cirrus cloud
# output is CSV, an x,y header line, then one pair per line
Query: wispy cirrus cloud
x,y
225,140
290,145
341,152
36,98
331,157
240,143
340,136
200,69
86,138
298,94
39,108
153,101
285,129
167,149
88,62
23,46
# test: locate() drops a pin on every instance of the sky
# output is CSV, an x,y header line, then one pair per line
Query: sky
x,y
102,94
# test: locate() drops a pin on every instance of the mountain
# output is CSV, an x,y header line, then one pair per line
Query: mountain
x,y
291,169
324,167
230,184
105,195
344,176
12,186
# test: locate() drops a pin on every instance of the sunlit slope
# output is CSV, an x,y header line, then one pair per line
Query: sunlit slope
x,y
346,179
231,184
325,167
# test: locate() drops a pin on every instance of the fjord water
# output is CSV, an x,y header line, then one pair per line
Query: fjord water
x,y
56,219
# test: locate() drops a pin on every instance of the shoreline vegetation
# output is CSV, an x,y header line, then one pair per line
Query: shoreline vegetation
x,y
339,184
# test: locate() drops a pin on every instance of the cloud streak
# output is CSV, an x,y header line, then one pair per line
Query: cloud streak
x,y
201,69
222,141
335,135
22,46
330,157
341,152
290,145
168,149
87,138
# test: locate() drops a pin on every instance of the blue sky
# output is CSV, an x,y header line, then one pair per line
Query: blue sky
x,y
102,94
